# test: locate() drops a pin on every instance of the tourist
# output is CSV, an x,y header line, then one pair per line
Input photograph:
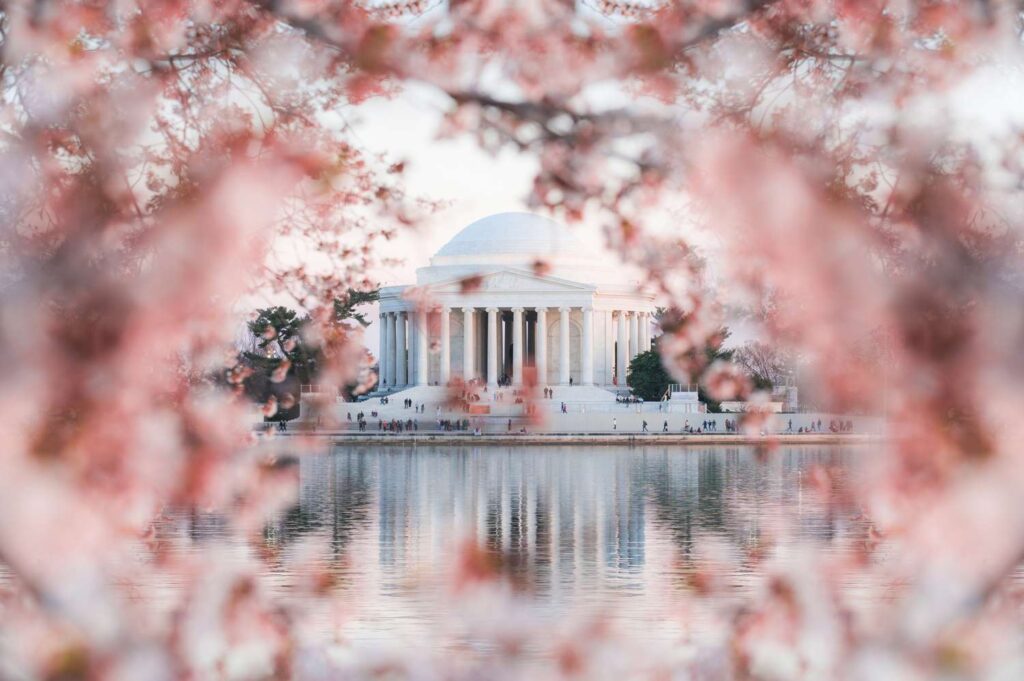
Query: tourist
x,y
615,424
664,427
645,427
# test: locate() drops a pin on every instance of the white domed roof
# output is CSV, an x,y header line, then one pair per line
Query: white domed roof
x,y
522,235
518,241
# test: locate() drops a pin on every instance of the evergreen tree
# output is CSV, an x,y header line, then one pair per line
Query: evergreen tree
x,y
279,331
647,376
345,307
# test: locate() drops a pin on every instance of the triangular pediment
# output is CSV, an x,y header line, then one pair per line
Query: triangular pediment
x,y
511,280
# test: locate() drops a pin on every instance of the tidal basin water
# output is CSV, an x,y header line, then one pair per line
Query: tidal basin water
x,y
623,533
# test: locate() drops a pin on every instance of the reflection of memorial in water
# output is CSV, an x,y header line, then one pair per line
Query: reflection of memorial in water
x,y
729,493
612,530
561,518
554,516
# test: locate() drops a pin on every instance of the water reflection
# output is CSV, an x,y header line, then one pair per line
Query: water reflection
x,y
575,526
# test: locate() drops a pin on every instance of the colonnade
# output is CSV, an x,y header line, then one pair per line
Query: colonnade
x,y
632,335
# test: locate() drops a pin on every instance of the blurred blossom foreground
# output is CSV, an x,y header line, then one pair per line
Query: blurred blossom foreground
x,y
845,176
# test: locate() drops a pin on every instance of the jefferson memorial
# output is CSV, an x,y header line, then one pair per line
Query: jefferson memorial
x,y
515,298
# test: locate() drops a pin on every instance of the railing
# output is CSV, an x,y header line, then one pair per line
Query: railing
x,y
688,392
315,389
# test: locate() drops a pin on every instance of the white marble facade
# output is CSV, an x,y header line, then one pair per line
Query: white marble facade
x,y
513,295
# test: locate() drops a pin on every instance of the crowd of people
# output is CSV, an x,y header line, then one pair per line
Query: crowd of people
x,y
708,426
520,396
469,396
398,425
450,425
834,426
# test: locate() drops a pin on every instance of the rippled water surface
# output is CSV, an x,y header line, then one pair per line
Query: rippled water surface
x,y
625,532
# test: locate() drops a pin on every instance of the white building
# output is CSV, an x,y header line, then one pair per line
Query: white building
x,y
512,296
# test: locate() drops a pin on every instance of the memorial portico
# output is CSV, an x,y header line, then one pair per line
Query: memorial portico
x,y
513,298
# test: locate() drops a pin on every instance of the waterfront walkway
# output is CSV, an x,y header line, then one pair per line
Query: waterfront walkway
x,y
637,439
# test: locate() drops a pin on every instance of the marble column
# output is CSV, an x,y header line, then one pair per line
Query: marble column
x,y
422,341
622,349
540,346
517,346
382,352
411,353
563,346
468,346
504,363
609,347
492,347
588,347
390,353
634,334
446,347
401,358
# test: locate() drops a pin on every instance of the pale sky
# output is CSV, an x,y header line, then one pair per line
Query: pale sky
x,y
470,182
473,184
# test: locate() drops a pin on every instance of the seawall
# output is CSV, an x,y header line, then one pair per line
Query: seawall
x,y
629,439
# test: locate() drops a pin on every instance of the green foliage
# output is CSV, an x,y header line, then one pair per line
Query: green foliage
x,y
280,331
670,320
345,307
647,376
714,406
281,334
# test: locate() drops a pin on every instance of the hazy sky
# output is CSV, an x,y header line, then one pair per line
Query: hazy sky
x,y
474,184
470,182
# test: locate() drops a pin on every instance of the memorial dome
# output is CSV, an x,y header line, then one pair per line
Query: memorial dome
x,y
510,237
485,308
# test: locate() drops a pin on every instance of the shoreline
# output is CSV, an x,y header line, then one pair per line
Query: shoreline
x,y
632,439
